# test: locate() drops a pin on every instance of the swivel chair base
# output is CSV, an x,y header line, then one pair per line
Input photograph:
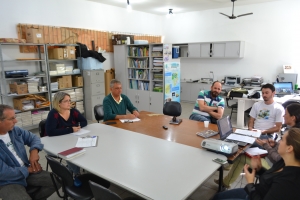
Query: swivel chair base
x,y
175,121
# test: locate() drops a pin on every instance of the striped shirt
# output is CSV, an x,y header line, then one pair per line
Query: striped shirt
x,y
206,96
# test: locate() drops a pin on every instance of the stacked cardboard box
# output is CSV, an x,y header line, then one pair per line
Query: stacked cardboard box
x,y
56,53
19,89
34,35
69,52
79,94
63,82
77,81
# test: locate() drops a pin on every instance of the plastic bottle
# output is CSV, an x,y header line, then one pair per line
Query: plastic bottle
x,y
296,86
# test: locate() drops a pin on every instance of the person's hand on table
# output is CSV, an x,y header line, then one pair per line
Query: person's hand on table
x,y
249,176
130,116
136,113
76,128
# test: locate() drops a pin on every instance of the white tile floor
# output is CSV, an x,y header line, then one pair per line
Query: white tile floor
x,y
204,192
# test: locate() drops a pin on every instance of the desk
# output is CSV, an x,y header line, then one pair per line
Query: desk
x,y
147,166
184,133
245,103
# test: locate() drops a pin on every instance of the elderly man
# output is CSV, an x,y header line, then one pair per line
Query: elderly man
x,y
115,104
16,170
209,105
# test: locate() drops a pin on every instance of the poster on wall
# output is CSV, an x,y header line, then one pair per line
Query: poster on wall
x,y
172,81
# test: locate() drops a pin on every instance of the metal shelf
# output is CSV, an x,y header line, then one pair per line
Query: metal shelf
x,y
27,77
65,74
61,60
20,95
62,45
40,108
23,44
65,89
37,60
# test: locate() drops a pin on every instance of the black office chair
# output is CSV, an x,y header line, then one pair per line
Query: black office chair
x,y
102,193
173,108
42,131
62,174
98,112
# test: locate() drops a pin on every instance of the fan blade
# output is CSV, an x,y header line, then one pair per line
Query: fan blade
x,y
224,14
244,14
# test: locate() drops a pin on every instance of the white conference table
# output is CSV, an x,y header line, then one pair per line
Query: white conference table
x,y
147,166
245,103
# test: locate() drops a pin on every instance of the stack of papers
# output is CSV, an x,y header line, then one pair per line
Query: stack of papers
x,y
244,135
129,120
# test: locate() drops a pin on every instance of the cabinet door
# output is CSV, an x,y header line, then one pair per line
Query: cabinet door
x,y
232,50
218,50
120,61
205,50
195,89
132,95
143,100
194,50
156,102
185,91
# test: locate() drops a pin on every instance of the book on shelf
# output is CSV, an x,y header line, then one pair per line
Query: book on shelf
x,y
71,153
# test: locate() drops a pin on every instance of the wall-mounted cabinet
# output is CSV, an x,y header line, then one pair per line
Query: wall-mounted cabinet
x,y
190,91
232,49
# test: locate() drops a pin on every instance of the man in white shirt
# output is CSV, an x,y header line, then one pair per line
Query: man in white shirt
x,y
17,171
266,115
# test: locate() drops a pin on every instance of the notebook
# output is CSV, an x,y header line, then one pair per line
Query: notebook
x,y
240,137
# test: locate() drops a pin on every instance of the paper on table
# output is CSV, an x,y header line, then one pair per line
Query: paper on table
x,y
241,138
89,141
256,151
81,132
248,133
129,120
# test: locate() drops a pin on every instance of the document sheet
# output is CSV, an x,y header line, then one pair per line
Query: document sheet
x,y
241,138
248,133
256,151
89,141
81,132
130,120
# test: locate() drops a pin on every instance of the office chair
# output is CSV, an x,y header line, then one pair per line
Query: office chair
x,y
42,131
102,193
62,174
234,107
98,112
173,108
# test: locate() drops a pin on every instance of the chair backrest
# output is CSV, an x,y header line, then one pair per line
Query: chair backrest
x,y
172,108
285,104
98,112
61,171
231,95
102,193
42,128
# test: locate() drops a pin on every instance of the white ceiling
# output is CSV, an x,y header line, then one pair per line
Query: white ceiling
x,y
161,7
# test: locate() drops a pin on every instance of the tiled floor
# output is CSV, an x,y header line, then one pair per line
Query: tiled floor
x,y
204,192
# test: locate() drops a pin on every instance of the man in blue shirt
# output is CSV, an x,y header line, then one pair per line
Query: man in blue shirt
x,y
16,170
209,105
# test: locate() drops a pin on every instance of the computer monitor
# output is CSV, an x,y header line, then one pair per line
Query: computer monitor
x,y
225,127
283,87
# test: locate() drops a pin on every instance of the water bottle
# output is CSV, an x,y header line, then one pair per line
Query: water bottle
x,y
296,86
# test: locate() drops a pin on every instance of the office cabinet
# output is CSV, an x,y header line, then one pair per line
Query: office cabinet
x,y
194,50
234,49
94,91
185,91
140,99
195,89
156,104
212,50
120,60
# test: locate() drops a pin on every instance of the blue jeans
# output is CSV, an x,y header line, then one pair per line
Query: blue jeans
x,y
200,118
234,194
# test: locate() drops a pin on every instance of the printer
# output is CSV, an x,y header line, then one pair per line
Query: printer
x,y
16,73
232,80
256,80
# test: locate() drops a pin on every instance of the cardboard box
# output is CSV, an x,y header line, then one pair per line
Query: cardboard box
x,y
109,75
67,81
69,52
77,81
34,35
19,89
59,80
56,53
18,103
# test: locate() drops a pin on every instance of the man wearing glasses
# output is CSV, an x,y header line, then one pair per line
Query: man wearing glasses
x,y
116,104
17,171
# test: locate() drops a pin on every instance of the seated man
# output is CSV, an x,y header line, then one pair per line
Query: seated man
x,y
266,115
115,104
16,171
209,105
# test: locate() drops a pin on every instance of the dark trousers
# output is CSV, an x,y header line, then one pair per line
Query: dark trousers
x,y
234,194
16,191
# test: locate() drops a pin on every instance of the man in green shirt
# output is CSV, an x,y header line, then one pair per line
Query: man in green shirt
x,y
115,104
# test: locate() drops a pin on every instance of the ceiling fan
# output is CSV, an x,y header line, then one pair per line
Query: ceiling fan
x,y
233,17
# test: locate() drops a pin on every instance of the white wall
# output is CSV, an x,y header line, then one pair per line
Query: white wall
x,y
77,14
271,35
